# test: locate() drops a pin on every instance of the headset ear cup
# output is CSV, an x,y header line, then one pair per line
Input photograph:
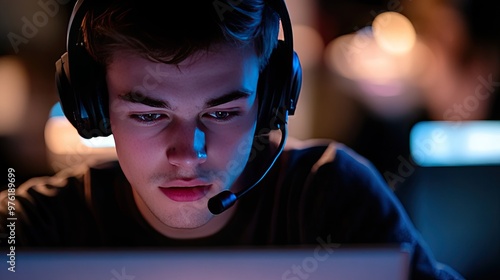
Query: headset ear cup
x,y
267,94
91,93
65,90
81,82
295,85
279,88
85,105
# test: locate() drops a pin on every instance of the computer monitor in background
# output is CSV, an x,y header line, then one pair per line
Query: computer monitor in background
x,y
453,193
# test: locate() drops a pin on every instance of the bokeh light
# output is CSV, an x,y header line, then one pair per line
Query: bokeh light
x,y
394,33
13,94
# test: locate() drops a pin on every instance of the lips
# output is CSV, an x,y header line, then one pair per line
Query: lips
x,y
186,193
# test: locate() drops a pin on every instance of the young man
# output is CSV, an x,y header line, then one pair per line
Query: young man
x,y
190,95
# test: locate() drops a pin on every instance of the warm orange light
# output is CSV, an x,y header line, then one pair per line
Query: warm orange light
x,y
359,57
394,33
66,147
13,95
62,138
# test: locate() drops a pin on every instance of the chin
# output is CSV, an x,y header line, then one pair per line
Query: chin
x,y
187,217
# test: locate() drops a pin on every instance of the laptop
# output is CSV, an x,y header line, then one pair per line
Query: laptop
x,y
383,263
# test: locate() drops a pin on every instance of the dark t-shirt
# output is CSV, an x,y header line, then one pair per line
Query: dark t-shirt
x,y
314,192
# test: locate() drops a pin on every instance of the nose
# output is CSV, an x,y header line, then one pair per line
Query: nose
x,y
187,148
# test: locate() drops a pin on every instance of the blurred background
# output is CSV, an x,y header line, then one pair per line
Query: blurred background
x,y
373,72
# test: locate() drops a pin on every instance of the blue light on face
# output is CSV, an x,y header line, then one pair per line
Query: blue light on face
x,y
443,143
199,143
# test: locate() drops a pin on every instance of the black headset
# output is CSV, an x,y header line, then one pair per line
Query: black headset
x,y
83,92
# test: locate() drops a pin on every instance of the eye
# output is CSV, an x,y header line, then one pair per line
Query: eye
x,y
222,115
147,118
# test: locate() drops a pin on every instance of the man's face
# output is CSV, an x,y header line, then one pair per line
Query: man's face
x,y
183,133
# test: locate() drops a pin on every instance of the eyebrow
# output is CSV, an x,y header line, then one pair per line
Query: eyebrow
x,y
137,97
226,98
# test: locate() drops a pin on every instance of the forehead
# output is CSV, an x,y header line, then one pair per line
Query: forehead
x,y
221,64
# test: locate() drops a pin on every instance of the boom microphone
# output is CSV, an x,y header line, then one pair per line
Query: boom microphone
x,y
225,199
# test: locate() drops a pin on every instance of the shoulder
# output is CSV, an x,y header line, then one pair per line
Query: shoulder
x,y
49,186
41,206
74,183
51,210
330,177
346,185
332,161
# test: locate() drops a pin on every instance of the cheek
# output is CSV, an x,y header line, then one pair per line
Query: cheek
x,y
230,151
234,142
136,156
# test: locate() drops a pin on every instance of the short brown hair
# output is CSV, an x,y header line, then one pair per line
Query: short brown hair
x,y
172,34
